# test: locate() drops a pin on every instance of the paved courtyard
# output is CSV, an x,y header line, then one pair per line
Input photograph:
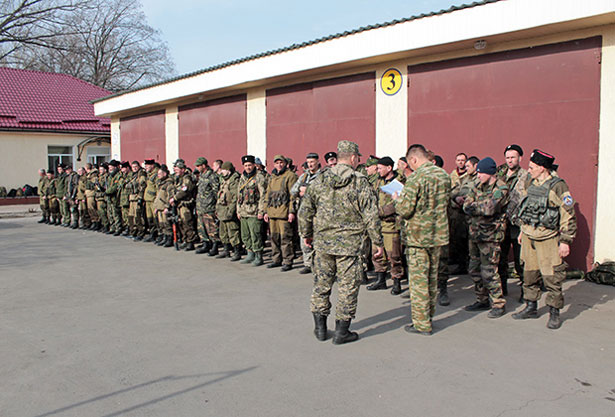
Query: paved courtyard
x,y
92,325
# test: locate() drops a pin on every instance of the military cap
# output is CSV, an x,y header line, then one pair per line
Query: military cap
x,y
179,163
346,146
67,166
542,158
248,158
330,155
438,161
125,164
279,157
386,161
149,162
200,161
50,171
403,158
258,161
312,155
105,165
371,161
514,147
487,166
228,165
113,163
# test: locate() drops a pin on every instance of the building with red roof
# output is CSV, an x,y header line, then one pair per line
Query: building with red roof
x,y
46,118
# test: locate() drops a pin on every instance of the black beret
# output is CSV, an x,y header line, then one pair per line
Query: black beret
x,y
150,162
439,161
514,148
542,158
312,155
125,164
330,155
105,165
248,158
386,161
114,163
403,158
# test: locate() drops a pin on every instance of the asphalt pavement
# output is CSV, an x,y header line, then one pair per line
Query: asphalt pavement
x,y
95,325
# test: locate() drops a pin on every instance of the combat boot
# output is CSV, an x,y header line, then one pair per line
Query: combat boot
x,y
554,321
529,312
236,253
189,246
258,259
125,232
75,225
443,298
396,290
381,282
496,312
248,259
118,232
168,242
149,238
320,326
342,334
305,270
214,249
160,241
42,220
478,306
226,252
204,248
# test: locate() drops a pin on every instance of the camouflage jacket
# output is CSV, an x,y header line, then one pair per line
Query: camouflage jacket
x,y
125,190
81,187
100,182
251,195
137,185
165,189
184,189
207,192
338,209
149,195
43,184
423,205
72,182
386,206
226,203
50,191
90,183
60,186
279,201
467,184
457,179
485,206
113,184
516,191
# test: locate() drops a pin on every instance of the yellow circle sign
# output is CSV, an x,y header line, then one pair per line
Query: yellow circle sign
x,y
391,81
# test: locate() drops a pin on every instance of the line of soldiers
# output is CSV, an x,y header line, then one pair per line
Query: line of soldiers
x,y
489,209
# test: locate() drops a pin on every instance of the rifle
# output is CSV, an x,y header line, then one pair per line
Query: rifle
x,y
173,219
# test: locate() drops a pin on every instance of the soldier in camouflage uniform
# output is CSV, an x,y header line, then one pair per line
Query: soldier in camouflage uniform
x,y
126,178
136,212
548,227
226,212
84,215
43,183
423,204
60,190
391,260
52,200
280,213
184,199
207,193
90,195
485,206
336,233
460,171
72,183
149,195
112,198
251,209
165,189
100,184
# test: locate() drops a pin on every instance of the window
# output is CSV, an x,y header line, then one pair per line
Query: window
x,y
98,154
59,155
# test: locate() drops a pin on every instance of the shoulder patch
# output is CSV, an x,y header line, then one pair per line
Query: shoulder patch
x,y
568,201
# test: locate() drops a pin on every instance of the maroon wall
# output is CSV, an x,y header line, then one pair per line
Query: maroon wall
x,y
313,117
214,129
143,137
546,97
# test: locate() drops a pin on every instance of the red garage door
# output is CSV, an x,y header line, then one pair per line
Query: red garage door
x,y
214,129
313,117
143,137
546,97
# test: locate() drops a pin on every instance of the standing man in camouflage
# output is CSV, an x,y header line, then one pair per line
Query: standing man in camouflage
x,y
298,191
60,190
161,206
136,210
72,184
101,200
184,200
90,195
460,171
126,178
82,206
280,213
149,195
43,183
52,200
251,209
336,233
548,227
226,212
206,195
112,195
485,206
423,204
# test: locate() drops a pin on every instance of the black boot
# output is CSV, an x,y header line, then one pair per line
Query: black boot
x,y
75,225
226,252
168,242
149,238
42,220
381,282
396,290
529,312
160,240
320,326
504,281
214,249
204,248
342,334
478,306
443,299
554,321
236,254
189,246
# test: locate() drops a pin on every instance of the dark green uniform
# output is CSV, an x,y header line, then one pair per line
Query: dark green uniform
x,y
226,210
184,199
206,196
251,209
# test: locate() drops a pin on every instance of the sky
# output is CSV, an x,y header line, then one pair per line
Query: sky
x,y
202,33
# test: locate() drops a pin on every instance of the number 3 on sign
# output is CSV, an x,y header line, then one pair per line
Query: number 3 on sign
x,y
391,81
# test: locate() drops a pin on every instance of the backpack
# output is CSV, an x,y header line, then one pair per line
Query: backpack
x,y
602,273
3,192
28,190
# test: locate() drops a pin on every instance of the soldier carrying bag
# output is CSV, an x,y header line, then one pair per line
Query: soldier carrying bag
x,y
602,274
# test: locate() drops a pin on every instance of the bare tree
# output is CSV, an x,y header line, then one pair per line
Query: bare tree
x,y
105,42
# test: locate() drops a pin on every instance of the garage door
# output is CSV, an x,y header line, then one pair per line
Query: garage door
x,y
313,117
214,129
143,137
545,97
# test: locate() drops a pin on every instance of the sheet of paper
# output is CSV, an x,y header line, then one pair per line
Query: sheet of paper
x,y
392,187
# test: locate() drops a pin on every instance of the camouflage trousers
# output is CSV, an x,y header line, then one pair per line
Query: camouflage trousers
x,y
423,284
151,218
114,215
164,225
54,208
229,232
136,219
44,203
186,224
391,260
443,267
308,253
251,233
126,220
73,208
64,210
483,268
101,205
207,225
282,250
543,264
348,272
84,213
92,210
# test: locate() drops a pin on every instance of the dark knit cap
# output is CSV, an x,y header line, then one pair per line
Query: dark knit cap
x,y
487,166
